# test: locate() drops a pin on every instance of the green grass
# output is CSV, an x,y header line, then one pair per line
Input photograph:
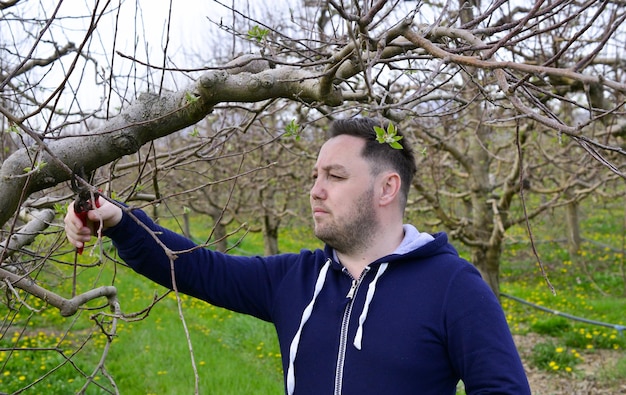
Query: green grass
x,y
615,373
590,285
233,353
239,354
551,357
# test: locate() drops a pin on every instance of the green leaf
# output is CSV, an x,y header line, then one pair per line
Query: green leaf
x,y
388,136
293,129
380,134
14,129
258,34
38,167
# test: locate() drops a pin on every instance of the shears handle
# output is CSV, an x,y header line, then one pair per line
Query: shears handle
x,y
81,208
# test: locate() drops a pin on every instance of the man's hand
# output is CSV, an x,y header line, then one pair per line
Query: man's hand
x,y
103,217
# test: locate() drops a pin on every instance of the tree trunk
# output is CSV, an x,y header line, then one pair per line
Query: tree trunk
x,y
219,234
486,253
270,235
186,225
573,229
487,261
486,239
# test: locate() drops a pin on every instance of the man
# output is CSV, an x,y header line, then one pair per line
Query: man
x,y
383,309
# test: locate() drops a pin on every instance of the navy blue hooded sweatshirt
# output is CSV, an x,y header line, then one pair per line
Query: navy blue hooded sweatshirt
x,y
415,322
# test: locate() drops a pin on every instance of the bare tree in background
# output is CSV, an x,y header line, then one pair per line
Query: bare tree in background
x,y
505,102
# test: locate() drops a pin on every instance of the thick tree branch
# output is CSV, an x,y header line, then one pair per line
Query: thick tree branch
x,y
149,118
8,3
67,307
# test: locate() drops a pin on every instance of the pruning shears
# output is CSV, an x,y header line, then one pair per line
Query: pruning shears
x,y
83,202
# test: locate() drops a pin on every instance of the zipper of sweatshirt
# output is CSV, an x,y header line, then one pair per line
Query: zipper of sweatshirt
x,y
343,339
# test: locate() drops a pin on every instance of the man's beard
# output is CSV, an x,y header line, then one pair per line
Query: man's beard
x,y
357,232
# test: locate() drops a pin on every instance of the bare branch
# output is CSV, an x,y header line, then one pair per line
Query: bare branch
x,y
67,307
39,221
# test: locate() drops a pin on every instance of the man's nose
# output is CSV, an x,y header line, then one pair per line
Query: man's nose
x,y
317,190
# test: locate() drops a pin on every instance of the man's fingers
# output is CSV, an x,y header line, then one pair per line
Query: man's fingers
x,y
76,233
98,218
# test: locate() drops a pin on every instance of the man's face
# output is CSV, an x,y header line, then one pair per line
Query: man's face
x,y
342,196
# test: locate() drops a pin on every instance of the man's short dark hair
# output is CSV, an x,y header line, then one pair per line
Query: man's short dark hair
x,y
381,155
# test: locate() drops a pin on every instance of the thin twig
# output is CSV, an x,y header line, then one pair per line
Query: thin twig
x,y
523,200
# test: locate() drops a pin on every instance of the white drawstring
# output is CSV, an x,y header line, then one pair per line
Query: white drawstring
x,y
358,338
293,348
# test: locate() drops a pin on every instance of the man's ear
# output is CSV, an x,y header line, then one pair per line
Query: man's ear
x,y
390,188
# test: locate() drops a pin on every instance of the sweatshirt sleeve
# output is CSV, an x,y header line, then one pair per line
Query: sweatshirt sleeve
x,y
242,284
480,343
